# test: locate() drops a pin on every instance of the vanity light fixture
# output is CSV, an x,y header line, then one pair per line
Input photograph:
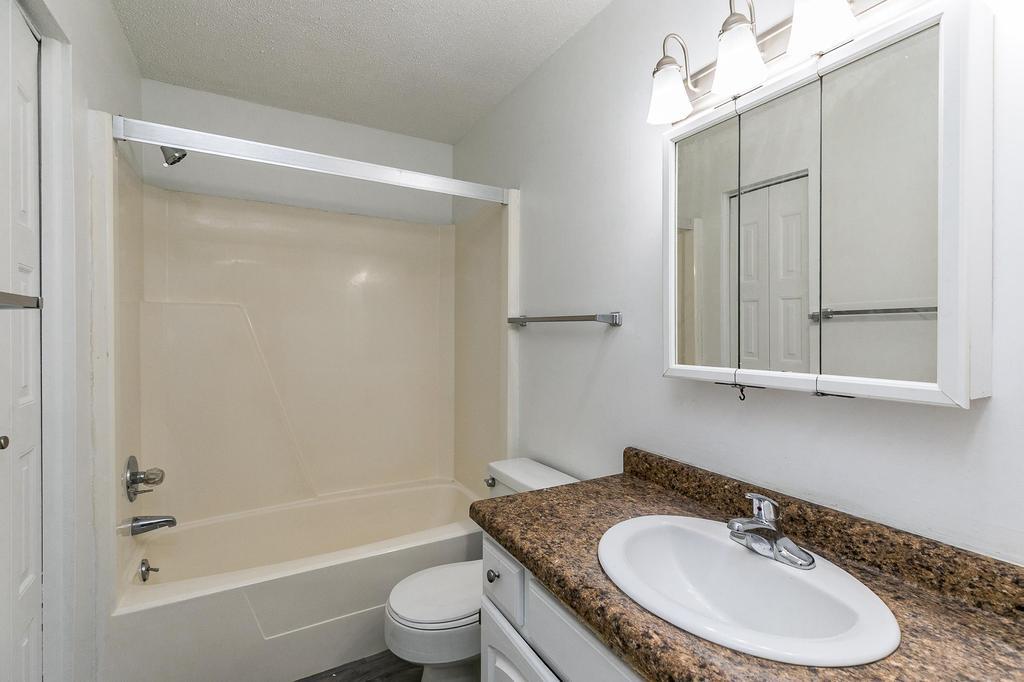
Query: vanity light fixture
x,y
740,66
820,26
670,92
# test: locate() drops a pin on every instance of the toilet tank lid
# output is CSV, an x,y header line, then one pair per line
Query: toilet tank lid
x,y
522,474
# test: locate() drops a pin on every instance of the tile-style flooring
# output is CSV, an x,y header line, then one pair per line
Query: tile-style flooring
x,y
382,666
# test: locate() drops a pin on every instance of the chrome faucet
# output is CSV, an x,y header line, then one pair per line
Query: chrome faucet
x,y
144,524
762,534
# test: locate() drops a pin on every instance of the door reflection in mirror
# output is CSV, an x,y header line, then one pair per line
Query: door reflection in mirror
x,y
774,278
777,230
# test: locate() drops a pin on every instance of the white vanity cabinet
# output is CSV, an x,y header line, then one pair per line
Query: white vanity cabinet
x,y
527,635
504,654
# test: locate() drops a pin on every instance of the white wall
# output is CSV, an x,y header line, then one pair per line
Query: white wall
x,y
173,105
573,138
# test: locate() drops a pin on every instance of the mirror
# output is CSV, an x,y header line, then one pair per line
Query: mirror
x,y
807,227
706,172
777,224
879,213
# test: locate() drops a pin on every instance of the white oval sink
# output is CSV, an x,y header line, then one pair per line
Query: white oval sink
x,y
690,573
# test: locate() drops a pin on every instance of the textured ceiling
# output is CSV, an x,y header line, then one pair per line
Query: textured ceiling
x,y
429,68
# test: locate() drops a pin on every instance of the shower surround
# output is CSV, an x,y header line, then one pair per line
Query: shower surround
x,y
295,372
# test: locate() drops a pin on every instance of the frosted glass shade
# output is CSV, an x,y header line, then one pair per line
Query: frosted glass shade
x,y
669,100
820,25
740,67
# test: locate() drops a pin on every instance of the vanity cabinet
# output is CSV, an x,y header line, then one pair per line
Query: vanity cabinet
x,y
504,654
527,635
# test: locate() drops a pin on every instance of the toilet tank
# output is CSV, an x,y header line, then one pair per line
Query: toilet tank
x,y
521,474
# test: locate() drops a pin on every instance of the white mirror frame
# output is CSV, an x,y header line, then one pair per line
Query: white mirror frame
x,y
965,142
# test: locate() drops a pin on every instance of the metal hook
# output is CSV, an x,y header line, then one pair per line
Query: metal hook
x,y
740,387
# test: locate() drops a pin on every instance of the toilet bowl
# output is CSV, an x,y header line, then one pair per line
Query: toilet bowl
x,y
432,617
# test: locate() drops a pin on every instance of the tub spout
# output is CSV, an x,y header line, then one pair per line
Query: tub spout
x,y
144,524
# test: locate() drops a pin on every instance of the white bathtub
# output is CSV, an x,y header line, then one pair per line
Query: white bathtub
x,y
278,594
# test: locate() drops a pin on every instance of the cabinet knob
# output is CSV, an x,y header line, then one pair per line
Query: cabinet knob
x,y
4,442
492,575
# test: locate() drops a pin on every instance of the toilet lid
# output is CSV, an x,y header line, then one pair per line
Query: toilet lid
x,y
442,595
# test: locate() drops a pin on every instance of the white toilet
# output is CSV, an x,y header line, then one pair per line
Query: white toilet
x,y
433,616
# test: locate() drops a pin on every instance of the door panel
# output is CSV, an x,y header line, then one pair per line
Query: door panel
x,y
20,462
790,292
504,654
755,280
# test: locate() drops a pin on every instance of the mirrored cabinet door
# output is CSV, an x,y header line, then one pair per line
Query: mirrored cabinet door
x,y
830,231
879,213
775,218
707,173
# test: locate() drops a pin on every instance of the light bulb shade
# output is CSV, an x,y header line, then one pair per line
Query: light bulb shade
x,y
669,100
740,67
820,25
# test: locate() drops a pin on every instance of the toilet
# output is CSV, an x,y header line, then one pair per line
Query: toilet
x,y
432,618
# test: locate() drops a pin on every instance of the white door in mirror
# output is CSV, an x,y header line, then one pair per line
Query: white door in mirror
x,y
690,573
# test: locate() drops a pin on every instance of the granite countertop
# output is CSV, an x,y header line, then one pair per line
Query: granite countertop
x,y
961,614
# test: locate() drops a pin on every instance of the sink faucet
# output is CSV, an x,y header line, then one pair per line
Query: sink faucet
x,y
762,534
144,524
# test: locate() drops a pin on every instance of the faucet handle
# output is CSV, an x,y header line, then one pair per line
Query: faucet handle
x,y
765,508
154,476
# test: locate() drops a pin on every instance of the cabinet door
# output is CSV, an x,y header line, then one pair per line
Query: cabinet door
x,y
504,655
571,651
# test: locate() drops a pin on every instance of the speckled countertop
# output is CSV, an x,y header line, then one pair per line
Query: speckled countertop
x,y
961,615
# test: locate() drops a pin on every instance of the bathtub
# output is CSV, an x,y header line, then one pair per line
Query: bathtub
x,y
277,594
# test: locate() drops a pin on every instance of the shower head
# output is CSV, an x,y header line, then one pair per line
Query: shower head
x,y
172,155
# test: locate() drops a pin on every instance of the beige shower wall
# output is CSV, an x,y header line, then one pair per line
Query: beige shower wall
x,y
481,338
289,353
128,288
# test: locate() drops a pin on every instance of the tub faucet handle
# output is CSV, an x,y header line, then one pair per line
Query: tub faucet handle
x,y
134,477
154,476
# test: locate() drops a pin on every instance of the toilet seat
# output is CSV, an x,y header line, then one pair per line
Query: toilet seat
x,y
438,598
468,620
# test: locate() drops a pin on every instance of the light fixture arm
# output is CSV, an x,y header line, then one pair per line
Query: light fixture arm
x,y
732,12
686,57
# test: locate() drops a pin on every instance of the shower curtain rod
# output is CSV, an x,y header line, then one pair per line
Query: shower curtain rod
x,y
133,130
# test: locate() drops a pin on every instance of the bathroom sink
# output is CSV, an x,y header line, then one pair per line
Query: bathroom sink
x,y
690,573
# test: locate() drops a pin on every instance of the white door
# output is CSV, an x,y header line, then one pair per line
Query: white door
x,y
755,279
775,267
790,281
20,472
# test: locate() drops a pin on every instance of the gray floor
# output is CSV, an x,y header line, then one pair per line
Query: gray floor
x,y
382,666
